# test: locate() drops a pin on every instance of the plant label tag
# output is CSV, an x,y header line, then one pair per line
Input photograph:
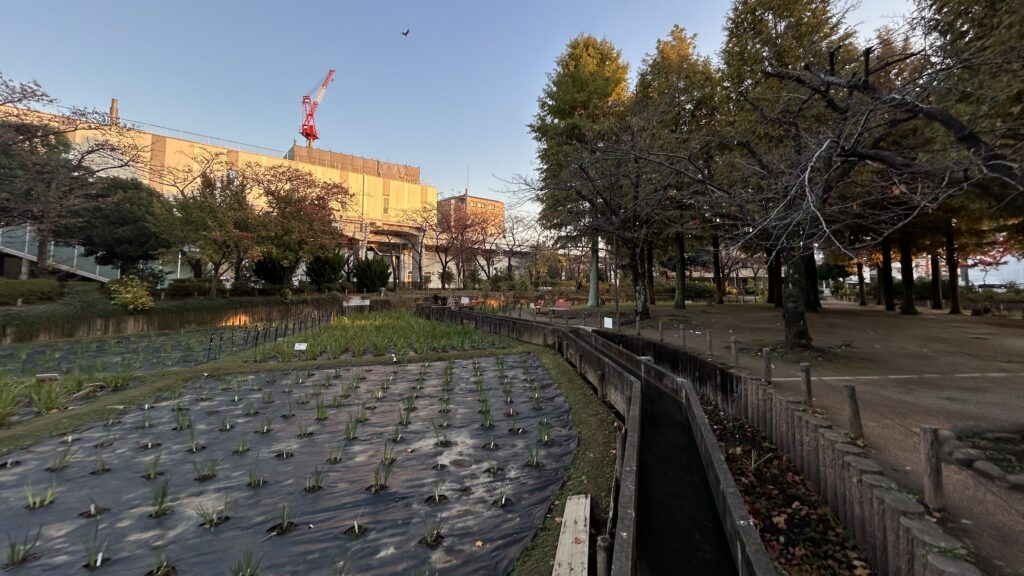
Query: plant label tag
x,y
99,559
300,346
609,323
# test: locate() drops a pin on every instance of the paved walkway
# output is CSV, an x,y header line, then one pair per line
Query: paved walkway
x,y
958,373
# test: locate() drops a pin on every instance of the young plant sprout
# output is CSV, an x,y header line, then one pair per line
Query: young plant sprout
x,y
502,500
321,410
283,526
94,549
256,479
389,453
247,565
381,473
61,461
243,446
267,427
361,412
337,400
289,413
545,431
485,417
21,551
378,393
225,424
184,422
268,397
396,435
351,427
437,497
440,436
99,467
162,567
147,421
334,455
152,469
492,468
356,529
105,441
212,516
38,500
433,532
533,458
404,417
193,443
304,431
491,445
285,454
205,471
446,404
250,409
315,480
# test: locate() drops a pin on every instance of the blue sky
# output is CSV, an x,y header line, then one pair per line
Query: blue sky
x,y
456,94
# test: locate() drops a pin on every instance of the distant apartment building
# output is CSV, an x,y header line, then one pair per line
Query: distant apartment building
x,y
464,207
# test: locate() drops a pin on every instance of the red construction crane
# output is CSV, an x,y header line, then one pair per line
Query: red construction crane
x,y
309,106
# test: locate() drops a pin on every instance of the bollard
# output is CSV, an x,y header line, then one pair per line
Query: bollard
x,y
767,354
661,330
707,337
934,495
853,412
603,557
805,369
735,351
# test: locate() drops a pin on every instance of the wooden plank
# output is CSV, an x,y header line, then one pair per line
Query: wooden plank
x,y
572,554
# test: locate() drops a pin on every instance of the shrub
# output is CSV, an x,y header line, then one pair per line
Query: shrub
x,y
326,270
188,287
131,293
35,290
272,271
372,273
698,290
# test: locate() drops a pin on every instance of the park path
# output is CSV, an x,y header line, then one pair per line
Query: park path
x,y
960,373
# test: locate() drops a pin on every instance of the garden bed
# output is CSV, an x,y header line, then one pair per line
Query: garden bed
x,y
236,454
799,531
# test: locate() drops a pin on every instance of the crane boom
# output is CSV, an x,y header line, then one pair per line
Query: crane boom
x,y
309,106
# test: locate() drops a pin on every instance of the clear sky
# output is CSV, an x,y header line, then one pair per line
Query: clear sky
x,y
456,94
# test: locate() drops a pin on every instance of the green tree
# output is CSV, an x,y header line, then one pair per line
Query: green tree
x,y
326,269
589,84
371,273
124,225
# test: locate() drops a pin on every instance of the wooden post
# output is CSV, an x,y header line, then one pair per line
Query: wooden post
x,y
735,351
805,369
934,495
604,564
707,337
767,354
853,412
661,330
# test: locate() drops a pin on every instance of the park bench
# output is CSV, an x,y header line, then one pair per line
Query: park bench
x,y
572,554
561,305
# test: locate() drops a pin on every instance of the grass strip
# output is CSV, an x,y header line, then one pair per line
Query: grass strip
x,y
592,468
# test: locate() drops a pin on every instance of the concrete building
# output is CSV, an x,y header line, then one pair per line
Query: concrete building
x,y
375,220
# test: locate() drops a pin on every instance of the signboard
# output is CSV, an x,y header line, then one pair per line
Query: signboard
x,y
464,300
609,323
300,346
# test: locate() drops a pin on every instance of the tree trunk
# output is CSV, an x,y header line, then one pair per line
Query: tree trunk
x,y
936,281
42,253
716,263
794,315
907,274
885,275
860,284
878,286
812,303
773,278
680,301
641,300
594,297
649,269
779,280
953,263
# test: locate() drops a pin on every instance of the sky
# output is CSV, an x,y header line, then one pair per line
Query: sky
x,y
453,97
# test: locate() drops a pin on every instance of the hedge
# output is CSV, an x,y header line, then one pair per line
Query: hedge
x,y
35,290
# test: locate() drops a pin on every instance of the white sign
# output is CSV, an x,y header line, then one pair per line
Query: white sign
x,y
609,323
464,300
300,346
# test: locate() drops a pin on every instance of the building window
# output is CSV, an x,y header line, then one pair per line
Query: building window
x,y
387,204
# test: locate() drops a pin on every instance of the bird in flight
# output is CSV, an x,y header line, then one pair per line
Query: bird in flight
x,y
406,33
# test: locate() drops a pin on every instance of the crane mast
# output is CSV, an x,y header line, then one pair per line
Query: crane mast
x,y
309,106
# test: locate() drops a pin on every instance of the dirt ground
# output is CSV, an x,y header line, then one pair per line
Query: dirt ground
x,y
960,373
